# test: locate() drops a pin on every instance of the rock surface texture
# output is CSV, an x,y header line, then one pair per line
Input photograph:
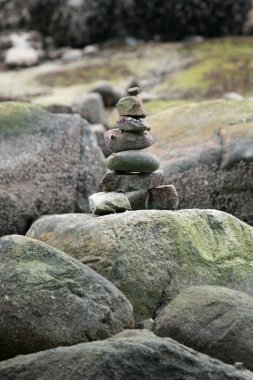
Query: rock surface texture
x,y
48,164
134,355
108,203
48,299
152,255
206,151
214,320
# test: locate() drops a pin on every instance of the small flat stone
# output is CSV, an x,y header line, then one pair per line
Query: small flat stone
x,y
108,203
162,198
131,106
131,181
118,141
133,161
130,124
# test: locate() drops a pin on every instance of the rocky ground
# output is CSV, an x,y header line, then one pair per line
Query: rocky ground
x,y
141,294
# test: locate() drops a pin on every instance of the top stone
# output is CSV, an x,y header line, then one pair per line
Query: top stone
x,y
133,91
131,105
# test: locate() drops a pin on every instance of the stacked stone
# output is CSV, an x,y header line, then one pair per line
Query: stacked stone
x,y
130,168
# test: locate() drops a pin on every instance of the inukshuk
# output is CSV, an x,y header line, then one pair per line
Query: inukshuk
x,y
130,168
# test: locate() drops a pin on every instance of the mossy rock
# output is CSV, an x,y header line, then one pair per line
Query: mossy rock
x,y
206,151
49,299
152,255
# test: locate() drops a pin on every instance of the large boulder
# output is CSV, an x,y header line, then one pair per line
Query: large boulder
x,y
152,255
49,163
214,320
49,299
206,151
133,355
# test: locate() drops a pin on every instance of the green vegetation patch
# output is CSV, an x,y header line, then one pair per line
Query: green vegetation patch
x,y
221,66
15,117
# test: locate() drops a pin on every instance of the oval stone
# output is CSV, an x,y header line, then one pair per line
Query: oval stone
x,y
132,161
118,141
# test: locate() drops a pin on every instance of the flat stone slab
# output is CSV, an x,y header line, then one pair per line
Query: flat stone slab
x,y
131,181
162,198
108,203
131,124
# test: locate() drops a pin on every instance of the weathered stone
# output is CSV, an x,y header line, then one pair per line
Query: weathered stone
x,y
147,324
214,320
131,106
108,203
117,141
130,124
162,198
99,131
22,56
71,55
137,199
131,181
152,255
132,354
90,107
206,151
109,92
48,164
132,161
49,299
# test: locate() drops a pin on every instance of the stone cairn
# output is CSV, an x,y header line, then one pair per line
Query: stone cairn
x,y
130,167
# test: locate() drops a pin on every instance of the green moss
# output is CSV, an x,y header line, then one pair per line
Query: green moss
x,y
155,106
221,66
204,118
16,117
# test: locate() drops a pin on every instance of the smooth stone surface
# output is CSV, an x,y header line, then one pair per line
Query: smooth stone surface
x,y
131,106
162,198
108,203
130,124
90,107
48,299
132,355
118,141
132,161
131,182
152,255
213,320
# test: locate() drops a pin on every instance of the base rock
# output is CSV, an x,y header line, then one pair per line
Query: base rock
x,y
133,355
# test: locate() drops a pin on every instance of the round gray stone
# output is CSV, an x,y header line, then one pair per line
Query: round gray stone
x,y
132,161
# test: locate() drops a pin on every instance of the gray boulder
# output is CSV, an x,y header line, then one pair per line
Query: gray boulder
x,y
206,152
133,355
48,164
214,320
90,107
152,255
48,299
